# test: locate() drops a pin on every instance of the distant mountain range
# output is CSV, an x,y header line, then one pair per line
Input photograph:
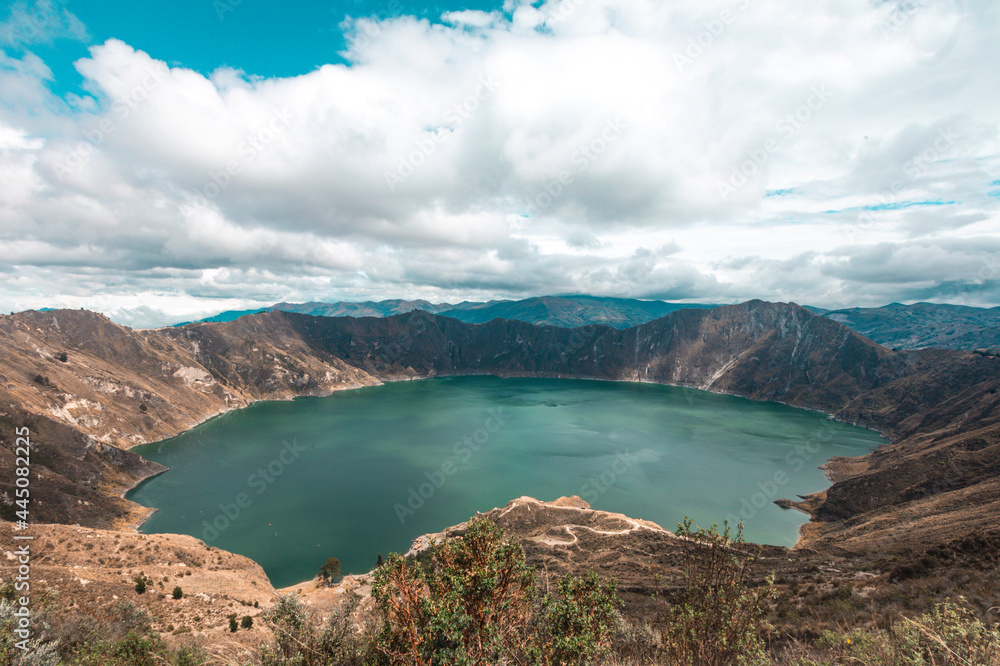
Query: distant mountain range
x,y
896,326
920,325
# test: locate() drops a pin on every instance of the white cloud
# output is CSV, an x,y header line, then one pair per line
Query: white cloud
x,y
40,22
164,175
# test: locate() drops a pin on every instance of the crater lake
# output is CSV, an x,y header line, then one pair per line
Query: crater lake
x,y
364,472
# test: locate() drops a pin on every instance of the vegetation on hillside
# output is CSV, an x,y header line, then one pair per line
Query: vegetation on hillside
x,y
474,600
120,635
718,618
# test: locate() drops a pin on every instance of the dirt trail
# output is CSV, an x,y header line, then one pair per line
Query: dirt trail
x,y
569,529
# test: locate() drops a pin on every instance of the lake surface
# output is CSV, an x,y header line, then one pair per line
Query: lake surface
x,y
363,472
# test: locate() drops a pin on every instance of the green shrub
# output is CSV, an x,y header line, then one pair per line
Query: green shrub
x,y
948,635
577,622
473,600
134,649
288,613
951,633
718,618
178,593
299,640
190,655
118,635
7,589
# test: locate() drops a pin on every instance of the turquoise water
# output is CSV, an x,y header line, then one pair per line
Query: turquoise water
x,y
361,473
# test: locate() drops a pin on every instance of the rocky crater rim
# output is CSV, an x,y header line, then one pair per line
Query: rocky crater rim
x,y
99,389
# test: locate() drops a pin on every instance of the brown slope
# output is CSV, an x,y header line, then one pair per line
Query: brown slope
x,y
126,387
86,571
113,390
117,386
74,478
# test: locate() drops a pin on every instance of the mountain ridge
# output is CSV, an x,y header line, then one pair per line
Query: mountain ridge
x,y
895,325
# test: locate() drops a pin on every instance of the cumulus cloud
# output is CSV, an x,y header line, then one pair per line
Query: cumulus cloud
x,y
833,153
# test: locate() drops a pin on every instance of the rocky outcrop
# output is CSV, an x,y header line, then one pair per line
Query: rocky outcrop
x,y
566,536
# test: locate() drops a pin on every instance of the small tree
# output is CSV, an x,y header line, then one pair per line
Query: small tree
x,y
718,619
178,592
233,624
140,585
246,622
330,572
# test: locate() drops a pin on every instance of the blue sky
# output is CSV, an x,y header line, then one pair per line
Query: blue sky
x,y
163,161
266,39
